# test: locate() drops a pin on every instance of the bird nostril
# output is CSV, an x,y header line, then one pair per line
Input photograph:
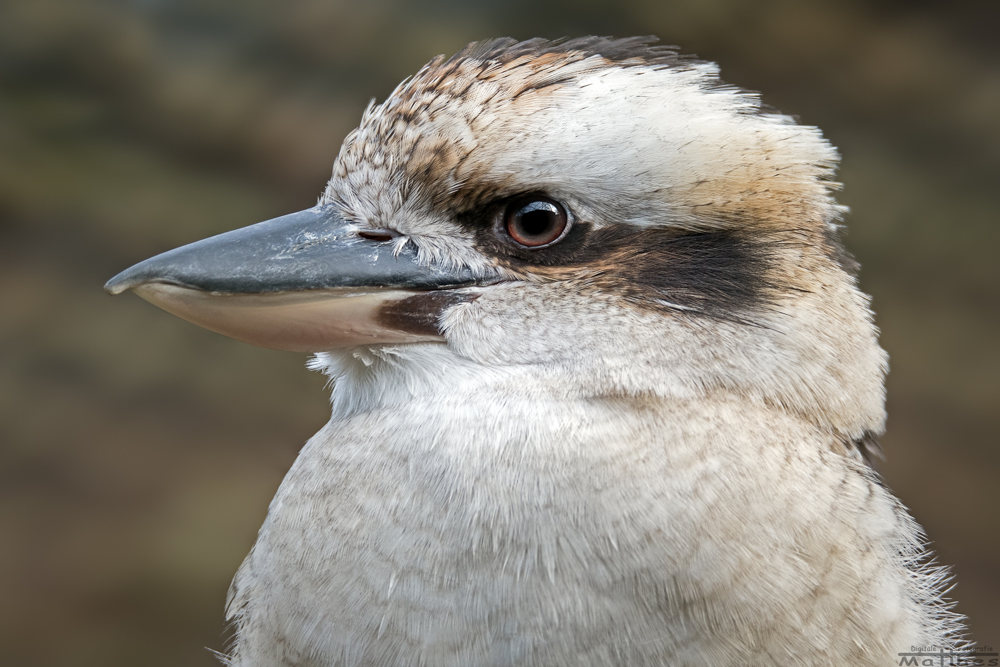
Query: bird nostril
x,y
379,235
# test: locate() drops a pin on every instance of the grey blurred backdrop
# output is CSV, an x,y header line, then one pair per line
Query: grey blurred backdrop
x,y
138,452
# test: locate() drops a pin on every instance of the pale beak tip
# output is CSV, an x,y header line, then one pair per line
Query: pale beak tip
x,y
117,285
148,271
124,281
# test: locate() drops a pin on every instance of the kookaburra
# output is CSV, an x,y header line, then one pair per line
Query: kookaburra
x,y
604,385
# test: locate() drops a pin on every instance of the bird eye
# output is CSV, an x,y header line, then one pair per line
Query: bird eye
x,y
536,222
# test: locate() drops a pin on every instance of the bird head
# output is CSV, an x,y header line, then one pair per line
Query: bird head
x,y
602,212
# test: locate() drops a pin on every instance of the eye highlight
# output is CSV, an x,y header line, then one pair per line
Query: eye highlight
x,y
535,222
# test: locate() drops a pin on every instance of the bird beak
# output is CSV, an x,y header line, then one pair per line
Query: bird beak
x,y
305,282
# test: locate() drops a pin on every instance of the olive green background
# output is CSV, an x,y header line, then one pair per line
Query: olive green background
x,y
138,452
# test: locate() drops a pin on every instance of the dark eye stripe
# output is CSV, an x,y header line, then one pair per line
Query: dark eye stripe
x,y
727,274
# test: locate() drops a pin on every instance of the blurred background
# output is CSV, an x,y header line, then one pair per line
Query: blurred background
x,y
138,452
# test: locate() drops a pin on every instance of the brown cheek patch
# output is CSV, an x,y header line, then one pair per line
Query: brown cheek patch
x,y
421,313
724,274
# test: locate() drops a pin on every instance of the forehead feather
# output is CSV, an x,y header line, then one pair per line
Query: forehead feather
x,y
624,131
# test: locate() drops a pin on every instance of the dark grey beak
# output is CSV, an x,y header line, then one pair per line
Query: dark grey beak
x,y
305,282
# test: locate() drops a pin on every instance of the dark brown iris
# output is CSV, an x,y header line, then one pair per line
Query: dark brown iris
x,y
536,222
